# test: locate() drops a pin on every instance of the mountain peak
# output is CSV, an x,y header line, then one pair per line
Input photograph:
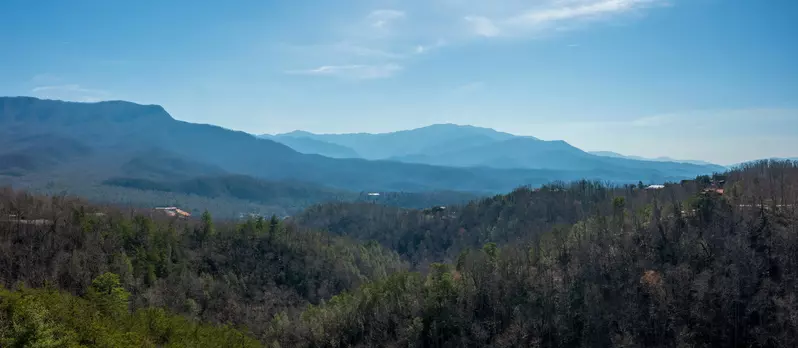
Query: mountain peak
x,y
27,109
296,133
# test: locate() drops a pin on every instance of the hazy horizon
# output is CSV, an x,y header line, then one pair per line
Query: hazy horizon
x,y
697,80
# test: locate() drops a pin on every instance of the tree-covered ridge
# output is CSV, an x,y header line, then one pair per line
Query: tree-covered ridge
x,y
238,273
712,271
433,235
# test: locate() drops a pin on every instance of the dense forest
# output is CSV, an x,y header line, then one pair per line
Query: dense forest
x,y
710,262
439,233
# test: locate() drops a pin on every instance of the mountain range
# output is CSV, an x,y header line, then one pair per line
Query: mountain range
x,y
113,132
385,146
467,146
657,159
57,145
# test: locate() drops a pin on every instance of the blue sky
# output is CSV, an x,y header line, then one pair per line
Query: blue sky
x,y
694,79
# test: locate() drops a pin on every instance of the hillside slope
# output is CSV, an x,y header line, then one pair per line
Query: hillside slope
x,y
313,146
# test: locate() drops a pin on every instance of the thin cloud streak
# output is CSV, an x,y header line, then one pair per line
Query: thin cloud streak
x,y
483,26
357,72
383,18
592,9
372,45
556,15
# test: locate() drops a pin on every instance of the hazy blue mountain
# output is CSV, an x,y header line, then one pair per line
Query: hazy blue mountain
x,y
114,131
308,145
409,142
467,146
614,155
23,153
512,153
657,159
158,164
531,153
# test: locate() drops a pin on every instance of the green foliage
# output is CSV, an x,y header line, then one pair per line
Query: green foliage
x,y
26,322
48,318
108,295
491,250
213,271
521,216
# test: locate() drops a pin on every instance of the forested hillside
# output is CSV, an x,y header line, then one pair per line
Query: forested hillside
x,y
243,274
522,215
709,271
709,262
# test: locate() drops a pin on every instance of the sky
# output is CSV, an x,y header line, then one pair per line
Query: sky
x,y
714,80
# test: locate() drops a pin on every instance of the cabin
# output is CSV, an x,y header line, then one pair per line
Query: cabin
x,y
174,212
714,190
16,219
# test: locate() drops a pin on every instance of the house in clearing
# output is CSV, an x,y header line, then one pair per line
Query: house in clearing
x,y
174,212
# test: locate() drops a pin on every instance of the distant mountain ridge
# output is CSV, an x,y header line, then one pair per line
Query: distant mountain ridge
x,y
308,145
468,146
138,153
111,134
407,142
657,159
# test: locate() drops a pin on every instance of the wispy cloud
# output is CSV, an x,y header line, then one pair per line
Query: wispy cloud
x,y
655,121
469,87
71,92
356,72
426,48
383,18
344,50
378,40
584,9
483,26
555,15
